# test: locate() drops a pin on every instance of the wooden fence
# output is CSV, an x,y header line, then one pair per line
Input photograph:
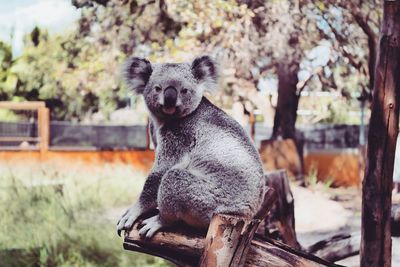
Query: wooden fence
x,y
43,119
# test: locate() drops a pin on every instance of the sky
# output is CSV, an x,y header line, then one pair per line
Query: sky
x,y
19,17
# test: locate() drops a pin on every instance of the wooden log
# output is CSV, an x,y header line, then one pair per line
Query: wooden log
x,y
383,128
269,252
281,217
248,234
226,243
228,237
184,248
180,245
222,240
337,247
344,245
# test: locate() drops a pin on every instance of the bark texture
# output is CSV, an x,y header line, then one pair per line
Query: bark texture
x,y
377,184
288,101
185,247
280,222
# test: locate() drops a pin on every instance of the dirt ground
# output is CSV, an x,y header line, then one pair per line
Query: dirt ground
x,y
321,212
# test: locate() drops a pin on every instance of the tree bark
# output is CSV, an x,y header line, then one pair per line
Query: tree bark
x,y
226,244
288,101
280,222
222,240
337,247
184,248
344,245
395,220
377,184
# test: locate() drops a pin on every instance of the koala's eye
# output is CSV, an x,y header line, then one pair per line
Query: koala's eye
x,y
184,91
157,88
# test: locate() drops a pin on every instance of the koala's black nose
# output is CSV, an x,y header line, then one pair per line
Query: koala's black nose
x,y
170,95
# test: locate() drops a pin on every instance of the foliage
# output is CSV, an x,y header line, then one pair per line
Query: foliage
x,y
58,217
7,79
8,115
77,72
353,29
329,109
340,113
48,70
178,31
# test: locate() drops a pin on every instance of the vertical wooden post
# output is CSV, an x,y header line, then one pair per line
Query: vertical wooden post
x,y
222,240
377,184
44,129
283,217
228,238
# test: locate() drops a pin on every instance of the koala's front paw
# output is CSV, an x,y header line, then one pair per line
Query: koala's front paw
x,y
128,219
150,226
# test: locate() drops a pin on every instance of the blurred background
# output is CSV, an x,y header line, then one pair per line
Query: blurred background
x,y
74,147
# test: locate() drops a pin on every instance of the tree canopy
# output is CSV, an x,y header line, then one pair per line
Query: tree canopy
x,y
317,45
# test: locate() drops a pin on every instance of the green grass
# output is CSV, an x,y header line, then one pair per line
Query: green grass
x,y
57,215
312,180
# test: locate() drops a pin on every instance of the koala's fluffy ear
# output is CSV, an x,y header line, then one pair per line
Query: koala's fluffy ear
x,y
136,72
205,71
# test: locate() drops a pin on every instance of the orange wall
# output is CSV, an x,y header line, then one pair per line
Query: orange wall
x,y
141,159
344,166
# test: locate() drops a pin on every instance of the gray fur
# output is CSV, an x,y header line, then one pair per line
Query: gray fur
x,y
205,162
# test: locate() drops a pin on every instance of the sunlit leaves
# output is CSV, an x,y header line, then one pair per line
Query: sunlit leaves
x,y
77,72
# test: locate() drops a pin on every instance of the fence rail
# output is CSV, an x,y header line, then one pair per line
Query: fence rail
x,y
19,133
73,136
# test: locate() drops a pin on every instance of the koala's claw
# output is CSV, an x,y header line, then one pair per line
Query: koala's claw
x,y
150,226
127,220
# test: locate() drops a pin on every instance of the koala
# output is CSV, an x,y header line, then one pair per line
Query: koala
x,y
205,162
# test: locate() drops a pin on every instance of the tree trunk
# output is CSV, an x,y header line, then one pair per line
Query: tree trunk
x,y
288,101
395,220
377,185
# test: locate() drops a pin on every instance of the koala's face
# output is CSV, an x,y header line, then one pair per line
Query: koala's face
x,y
171,90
